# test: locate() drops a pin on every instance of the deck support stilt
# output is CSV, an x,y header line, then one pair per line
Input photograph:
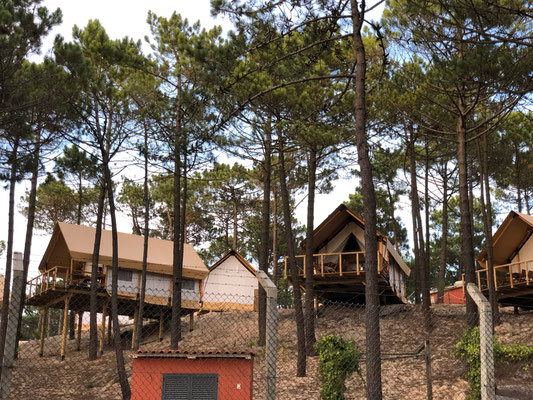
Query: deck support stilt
x,y
102,335
134,332
65,324
44,326
109,330
161,324
78,338
191,322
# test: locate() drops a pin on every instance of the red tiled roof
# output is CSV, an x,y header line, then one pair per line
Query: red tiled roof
x,y
193,354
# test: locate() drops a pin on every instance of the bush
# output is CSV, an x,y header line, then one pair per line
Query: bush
x,y
338,358
468,349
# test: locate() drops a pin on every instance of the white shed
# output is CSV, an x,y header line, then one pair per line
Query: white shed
x,y
230,285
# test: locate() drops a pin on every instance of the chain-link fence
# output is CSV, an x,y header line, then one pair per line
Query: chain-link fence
x,y
221,354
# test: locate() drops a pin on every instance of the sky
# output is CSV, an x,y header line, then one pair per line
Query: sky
x,y
128,18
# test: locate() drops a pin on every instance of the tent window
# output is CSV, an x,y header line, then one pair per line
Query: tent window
x,y
124,275
190,386
351,244
187,284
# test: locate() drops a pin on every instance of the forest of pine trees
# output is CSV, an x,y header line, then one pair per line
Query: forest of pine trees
x,y
428,108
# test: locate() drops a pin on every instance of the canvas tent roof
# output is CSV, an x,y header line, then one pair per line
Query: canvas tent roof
x,y
77,242
511,235
240,258
337,220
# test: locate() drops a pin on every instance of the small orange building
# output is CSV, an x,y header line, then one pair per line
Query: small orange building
x,y
190,375
452,294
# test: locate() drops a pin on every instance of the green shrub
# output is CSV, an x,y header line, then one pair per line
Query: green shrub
x,y
468,349
338,358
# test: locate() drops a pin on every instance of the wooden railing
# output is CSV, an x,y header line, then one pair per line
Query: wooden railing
x,y
337,264
52,279
48,280
506,275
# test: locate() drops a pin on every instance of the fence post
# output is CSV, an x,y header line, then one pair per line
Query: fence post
x,y
429,378
12,324
271,348
488,388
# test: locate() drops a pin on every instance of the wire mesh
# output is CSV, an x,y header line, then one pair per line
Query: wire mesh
x,y
220,353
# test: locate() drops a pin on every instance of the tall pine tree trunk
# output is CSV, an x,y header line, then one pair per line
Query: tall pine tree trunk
x,y
426,298
394,223
275,266
30,225
444,236
177,270
93,302
119,354
467,244
518,182
486,206
289,237
309,314
265,231
9,251
373,342
140,313
414,208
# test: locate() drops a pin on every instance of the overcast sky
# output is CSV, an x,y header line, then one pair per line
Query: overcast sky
x,y
128,18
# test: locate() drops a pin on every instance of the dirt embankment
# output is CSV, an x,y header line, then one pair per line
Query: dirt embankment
x,y
403,376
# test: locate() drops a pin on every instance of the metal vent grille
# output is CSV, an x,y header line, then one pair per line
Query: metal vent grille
x,y
190,387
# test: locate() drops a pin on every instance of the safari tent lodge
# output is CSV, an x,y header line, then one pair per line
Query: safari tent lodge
x,y
339,261
513,261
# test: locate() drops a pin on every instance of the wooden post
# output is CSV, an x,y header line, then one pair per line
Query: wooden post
x,y
109,333
80,323
161,324
65,323
104,315
191,322
429,379
340,264
357,263
322,265
134,333
478,280
71,271
511,275
44,327
305,262
495,281
285,267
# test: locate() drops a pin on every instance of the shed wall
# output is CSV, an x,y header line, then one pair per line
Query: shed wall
x,y
234,375
230,282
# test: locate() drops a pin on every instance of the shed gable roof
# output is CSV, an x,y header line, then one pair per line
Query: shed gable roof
x,y
240,258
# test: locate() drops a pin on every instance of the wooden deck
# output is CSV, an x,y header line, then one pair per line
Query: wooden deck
x,y
51,290
341,276
511,281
